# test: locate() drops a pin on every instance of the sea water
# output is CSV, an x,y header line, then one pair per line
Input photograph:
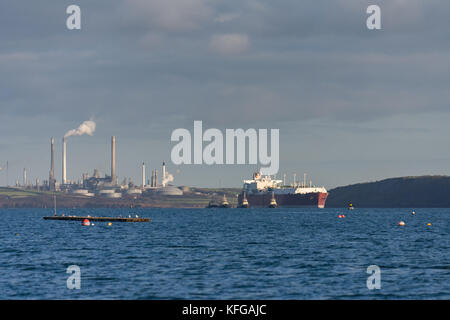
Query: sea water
x,y
227,254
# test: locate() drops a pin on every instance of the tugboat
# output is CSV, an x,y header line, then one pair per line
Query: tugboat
x,y
244,201
213,203
273,202
225,203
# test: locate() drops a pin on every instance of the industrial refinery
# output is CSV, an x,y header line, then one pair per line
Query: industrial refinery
x,y
106,186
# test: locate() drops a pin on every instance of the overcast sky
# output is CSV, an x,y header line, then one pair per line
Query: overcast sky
x,y
352,105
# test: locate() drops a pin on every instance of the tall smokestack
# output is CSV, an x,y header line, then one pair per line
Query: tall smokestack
x,y
143,175
155,178
113,159
51,179
24,177
64,173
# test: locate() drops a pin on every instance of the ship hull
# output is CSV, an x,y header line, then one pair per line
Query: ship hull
x,y
311,200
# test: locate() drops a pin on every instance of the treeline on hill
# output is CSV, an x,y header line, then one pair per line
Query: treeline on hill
x,y
404,192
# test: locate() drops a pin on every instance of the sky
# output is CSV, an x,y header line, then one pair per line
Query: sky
x,y
351,104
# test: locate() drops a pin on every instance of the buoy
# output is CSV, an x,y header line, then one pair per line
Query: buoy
x,y
86,223
428,224
341,216
401,223
109,224
413,213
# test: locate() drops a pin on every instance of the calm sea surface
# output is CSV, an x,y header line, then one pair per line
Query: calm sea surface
x,y
227,254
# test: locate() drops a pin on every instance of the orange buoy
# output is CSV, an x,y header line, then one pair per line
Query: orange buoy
x,y
401,223
86,223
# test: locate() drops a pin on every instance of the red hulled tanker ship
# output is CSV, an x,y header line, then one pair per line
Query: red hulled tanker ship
x,y
261,191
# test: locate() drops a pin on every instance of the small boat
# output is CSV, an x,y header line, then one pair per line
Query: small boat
x,y
244,203
225,203
273,202
350,206
213,203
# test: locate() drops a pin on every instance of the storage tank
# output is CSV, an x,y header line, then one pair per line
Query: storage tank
x,y
170,191
114,195
185,189
80,191
134,191
105,192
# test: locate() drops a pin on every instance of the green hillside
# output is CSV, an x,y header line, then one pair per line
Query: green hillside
x,y
404,192
16,193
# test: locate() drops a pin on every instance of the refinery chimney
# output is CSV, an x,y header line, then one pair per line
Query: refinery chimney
x,y
64,177
152,183
113,159
154,179
143,175
24,177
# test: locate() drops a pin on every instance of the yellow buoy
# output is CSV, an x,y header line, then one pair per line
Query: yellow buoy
x,y
109,224
428,224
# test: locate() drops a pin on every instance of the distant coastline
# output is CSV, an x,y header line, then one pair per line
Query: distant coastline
x,y
402,192
196,198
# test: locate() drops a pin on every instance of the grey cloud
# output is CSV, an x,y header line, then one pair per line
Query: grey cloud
x,y
171,16
143,68
229,44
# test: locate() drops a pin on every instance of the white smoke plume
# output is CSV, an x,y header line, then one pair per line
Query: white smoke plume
x,y
169,178
87,127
